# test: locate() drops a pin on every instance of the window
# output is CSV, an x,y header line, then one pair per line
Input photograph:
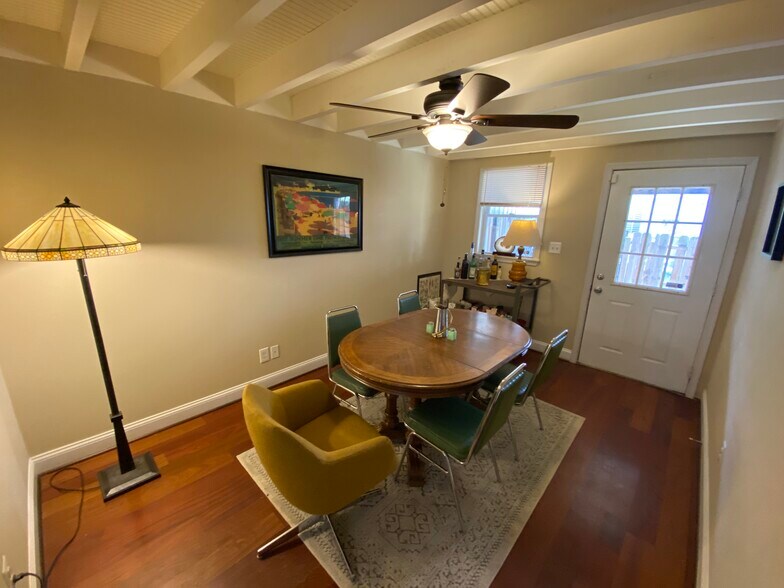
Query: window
x,y
661,237
507,194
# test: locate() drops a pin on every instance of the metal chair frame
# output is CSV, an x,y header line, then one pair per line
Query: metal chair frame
x,y
404,295
502,386
342,401
309,522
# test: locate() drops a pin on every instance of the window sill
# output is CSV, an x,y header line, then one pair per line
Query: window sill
x,y
510,260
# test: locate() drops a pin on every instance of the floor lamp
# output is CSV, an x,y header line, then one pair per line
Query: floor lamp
x,y
68,232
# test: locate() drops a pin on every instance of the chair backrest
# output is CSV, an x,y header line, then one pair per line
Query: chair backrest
x,y
408,302
497,411
340,322
549,361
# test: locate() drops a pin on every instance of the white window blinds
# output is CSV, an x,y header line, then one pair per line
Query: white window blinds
x,y
514,186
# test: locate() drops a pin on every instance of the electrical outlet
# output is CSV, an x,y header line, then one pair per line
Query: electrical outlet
x,y
275,352
555,247
264,355
6,573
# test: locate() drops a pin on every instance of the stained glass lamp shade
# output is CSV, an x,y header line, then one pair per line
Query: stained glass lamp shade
x,y
69,232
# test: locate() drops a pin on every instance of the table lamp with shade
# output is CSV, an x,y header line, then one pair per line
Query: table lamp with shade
x,y
522,233
68,232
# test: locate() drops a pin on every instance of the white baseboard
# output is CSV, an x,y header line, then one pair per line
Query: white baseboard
x,y
703,540
540,346
73,452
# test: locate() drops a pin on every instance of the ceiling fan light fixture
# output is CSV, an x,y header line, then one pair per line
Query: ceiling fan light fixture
x,y
446,136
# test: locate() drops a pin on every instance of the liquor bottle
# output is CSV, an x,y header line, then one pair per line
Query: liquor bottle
x,y
494,268
457,269
464,267
472,268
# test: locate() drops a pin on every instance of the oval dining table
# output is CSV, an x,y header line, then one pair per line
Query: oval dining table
x,y
400,358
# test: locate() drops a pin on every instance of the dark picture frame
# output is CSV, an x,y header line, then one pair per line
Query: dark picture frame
x,y
311,212
774,238
428,286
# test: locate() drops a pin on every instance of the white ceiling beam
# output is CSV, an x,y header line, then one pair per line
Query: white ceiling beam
x,y
725,29
116,62
28,43
77,28
535,24
370,25
692,132
214,28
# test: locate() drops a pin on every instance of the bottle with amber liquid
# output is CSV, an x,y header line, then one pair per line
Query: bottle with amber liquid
x,y
494,268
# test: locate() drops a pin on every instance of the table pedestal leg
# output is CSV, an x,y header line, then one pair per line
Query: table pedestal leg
x,y
416,469
391,426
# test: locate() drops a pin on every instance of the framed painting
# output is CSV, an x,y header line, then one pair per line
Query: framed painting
x,y
311,212
428,287
774,238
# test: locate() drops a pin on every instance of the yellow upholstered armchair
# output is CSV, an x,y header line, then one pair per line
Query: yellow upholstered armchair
x,y
321,456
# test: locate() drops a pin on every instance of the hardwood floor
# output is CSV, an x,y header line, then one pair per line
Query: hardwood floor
x,y
621,511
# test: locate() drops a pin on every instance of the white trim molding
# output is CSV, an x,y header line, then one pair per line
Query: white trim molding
x,y
703,540
73,452
750,164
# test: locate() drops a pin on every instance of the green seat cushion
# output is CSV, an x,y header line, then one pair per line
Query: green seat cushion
x,y
337,429
342,379
448,423
492,381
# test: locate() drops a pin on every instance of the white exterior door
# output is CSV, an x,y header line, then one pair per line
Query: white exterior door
x,y
661,249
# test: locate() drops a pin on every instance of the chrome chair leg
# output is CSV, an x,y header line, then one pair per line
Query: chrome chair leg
x,y
403,457
538,415
495,463
340,547
288,535
512,437
454,492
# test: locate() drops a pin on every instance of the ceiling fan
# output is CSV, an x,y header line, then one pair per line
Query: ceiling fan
x,y
450,121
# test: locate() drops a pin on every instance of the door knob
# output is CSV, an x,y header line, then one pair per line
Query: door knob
x,y
599,276
598,289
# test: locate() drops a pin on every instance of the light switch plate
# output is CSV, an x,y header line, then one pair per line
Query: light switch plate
x,y
264,355
555,247
274,352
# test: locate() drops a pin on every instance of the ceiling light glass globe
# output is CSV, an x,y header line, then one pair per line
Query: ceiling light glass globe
x,y
447,136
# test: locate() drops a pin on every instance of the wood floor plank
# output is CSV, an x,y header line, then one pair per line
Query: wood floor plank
x,y
620,511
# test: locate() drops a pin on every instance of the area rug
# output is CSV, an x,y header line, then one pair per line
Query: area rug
x,y
406,537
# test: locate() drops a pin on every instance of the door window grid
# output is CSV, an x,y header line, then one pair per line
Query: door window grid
x,y
663,246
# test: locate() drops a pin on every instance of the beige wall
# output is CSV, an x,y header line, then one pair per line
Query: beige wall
x,y
742,383
572,208
185,317
13,486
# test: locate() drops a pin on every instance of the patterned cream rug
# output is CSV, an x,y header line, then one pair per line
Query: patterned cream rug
x,y
411,537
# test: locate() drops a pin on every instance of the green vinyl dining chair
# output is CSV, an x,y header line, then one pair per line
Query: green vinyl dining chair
x,y
458,430
408,302
531,380
340,322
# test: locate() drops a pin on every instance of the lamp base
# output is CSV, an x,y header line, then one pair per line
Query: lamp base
x,y
517,272
113,482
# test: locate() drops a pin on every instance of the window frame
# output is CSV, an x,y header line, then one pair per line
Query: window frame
x,y
540,221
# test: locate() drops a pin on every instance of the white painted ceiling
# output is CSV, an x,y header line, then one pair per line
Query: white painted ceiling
x,y
633,70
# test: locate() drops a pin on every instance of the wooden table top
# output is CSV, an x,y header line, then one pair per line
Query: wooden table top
x,y
400,357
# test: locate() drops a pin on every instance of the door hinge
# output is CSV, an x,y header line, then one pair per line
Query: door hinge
x,y
688,377
614,178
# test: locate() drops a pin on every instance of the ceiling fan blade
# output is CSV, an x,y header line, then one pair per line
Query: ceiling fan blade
x,y
475,138
395,132
358,107
533,121
477,92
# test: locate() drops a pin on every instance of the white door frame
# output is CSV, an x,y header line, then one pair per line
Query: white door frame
x,y
750,164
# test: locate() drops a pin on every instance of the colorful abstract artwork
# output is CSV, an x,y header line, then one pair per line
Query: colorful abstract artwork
x,y
310,212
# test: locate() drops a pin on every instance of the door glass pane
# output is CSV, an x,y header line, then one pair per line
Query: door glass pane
x,y
651,272
665,208
633,237
659,238
626,271
685,240
640,204
677,274
694,205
